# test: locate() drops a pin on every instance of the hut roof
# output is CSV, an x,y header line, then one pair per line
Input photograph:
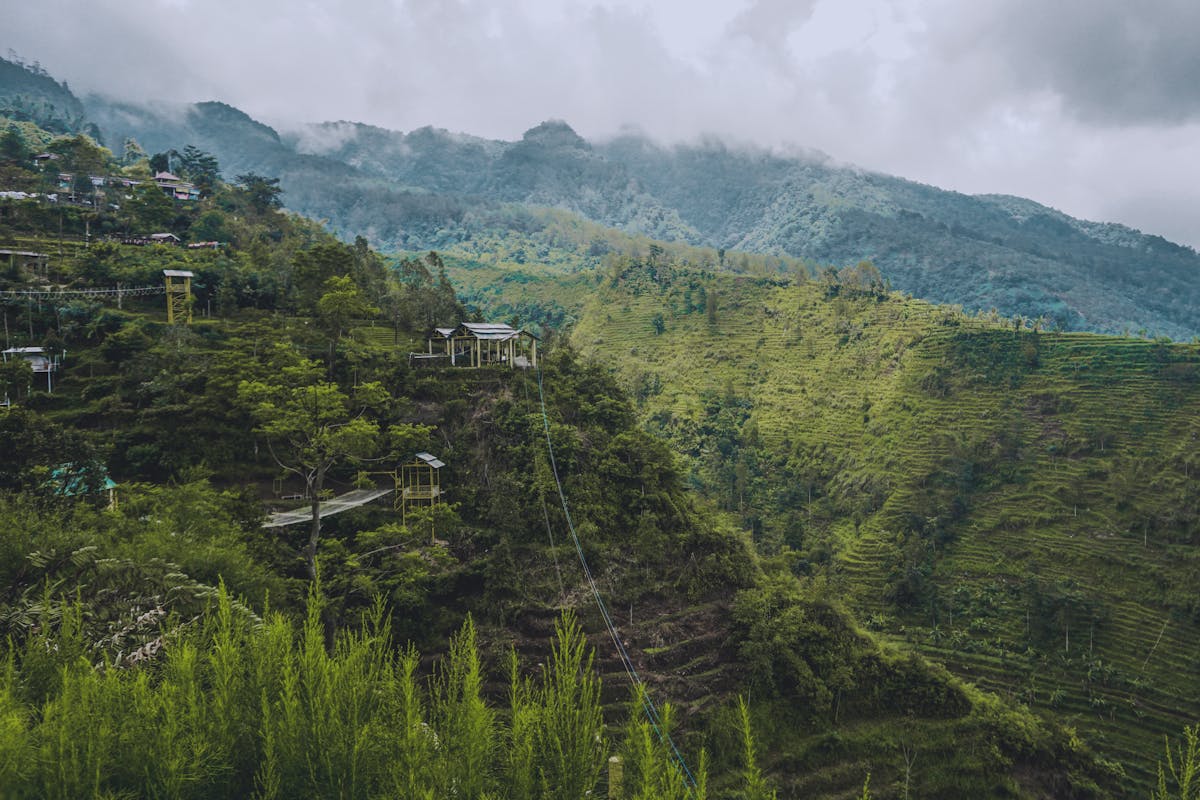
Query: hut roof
x,y
431,460
493,331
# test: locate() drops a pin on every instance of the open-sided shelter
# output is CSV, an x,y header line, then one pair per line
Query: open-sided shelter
x,y
475,344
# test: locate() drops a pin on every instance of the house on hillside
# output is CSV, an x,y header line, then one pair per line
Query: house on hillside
x,y
101,184
175,187
41,362
21,261
152,238
476,344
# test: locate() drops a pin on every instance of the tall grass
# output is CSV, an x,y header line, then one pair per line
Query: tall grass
x,y
241,706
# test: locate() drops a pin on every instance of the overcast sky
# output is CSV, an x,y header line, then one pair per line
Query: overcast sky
x,y
1089,106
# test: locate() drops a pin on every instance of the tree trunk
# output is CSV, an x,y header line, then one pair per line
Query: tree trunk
x,y
315,484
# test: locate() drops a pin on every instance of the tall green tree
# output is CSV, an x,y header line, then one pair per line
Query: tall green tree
x,y
314,267
149,210
160,162
311,425
200,168
16,379
261,193
12,145
341,304
1179,779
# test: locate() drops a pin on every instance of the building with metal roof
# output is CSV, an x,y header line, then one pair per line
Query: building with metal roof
x,y
476,344
41,362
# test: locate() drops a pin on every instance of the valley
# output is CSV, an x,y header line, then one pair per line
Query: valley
x,y
866,485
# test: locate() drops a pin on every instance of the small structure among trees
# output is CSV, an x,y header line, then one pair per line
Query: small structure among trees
x,y
21,260
474,344
39,361
420,482
83,479
179,295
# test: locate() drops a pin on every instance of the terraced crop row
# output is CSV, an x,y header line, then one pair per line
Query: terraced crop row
x,y
1061,446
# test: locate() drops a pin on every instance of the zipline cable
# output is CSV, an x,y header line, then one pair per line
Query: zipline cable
x,y
639,685
132,291
562,590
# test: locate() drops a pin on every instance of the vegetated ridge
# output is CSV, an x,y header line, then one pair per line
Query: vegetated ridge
x,y
142,654
1017,504
432,189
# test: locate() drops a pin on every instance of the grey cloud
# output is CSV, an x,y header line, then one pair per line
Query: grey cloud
x,y
1028,97
1112,62
769,22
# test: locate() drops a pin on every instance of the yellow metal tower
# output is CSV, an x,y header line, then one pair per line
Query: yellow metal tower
x,y
179,295
420,483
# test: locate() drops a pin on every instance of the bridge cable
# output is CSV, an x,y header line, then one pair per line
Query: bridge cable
x,y
562,589
639,685
132,291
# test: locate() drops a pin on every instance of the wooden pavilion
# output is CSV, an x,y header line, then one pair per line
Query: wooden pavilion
x,y
476,344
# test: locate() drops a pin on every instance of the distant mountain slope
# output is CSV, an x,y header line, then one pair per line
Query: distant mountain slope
x,y
28,93
550,166
981,252
433,189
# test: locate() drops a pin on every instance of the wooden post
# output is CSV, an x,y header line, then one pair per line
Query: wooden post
x,y
616,776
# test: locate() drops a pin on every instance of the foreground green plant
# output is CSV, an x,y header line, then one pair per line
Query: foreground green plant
x,y
1180,779
236,706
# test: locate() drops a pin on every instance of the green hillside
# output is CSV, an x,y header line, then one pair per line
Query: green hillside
x,y
159,640
1018,505
29,94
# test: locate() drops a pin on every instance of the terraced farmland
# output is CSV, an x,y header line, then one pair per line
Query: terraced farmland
x,y
1019,505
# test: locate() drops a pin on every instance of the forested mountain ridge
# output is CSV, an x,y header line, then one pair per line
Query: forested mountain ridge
x,y
981,252
29,94
961,484
162,641
430,188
